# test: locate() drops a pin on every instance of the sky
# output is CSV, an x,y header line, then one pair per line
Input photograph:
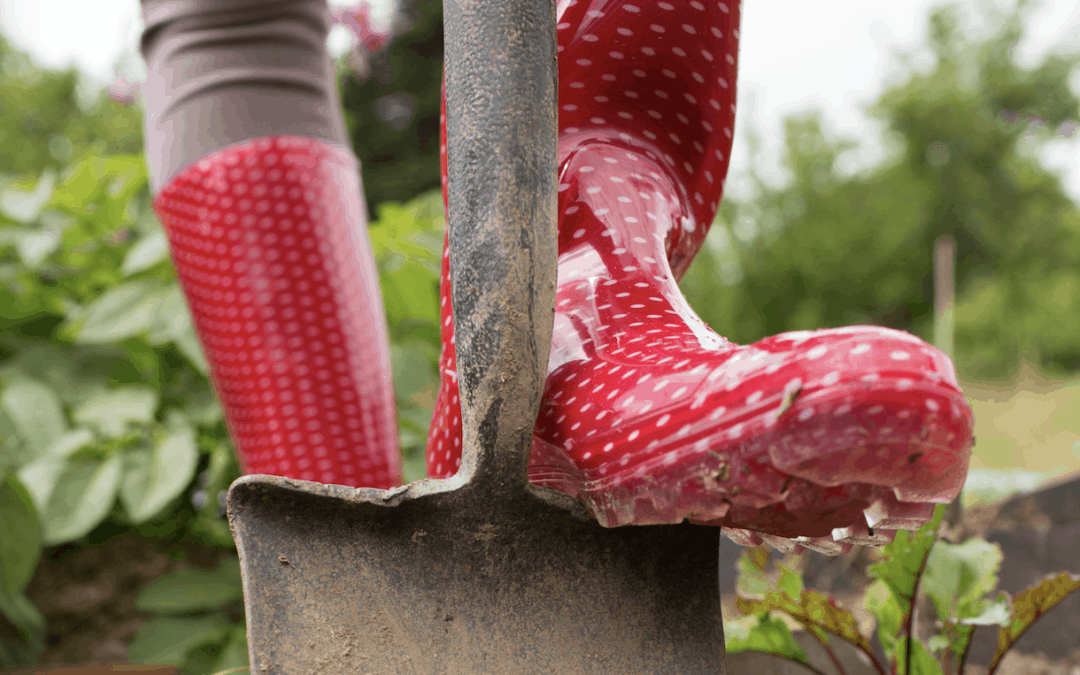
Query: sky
x,y
794,56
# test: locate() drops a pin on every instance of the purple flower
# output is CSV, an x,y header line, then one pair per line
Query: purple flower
x,y
124,91
368,33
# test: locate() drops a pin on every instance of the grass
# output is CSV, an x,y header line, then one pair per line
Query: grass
x,y
1027,431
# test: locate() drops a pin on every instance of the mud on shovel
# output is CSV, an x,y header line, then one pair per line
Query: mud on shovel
x,y
480,573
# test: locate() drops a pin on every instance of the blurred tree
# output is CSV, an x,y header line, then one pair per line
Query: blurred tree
x,y
45,122
830,249
393,112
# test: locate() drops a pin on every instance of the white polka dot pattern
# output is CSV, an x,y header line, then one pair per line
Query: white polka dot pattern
x,y
817,440
270,249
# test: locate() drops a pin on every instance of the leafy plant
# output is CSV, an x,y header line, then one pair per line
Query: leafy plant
x,y
407,240
106,410
22,632
199,624
97,396
957,578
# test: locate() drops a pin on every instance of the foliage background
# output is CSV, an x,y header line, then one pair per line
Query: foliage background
x,y
109,426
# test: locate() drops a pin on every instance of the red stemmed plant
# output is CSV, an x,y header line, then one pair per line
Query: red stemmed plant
x,y
957,578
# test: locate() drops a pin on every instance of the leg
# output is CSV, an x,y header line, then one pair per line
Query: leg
x,y
262,203
818,439
226,71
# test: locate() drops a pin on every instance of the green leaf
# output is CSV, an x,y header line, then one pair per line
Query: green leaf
x,y
36,412
956,579
880,601
411,363
20,536
145,360
957,576
202,408
112,411
1031,604
235,653
992,612
220,472
922,661
790,582
192,590
147,252
905,557
33,246
955,637
892,594
813,610
189,346
172,320
751,580
937,643
30,629
83,497
417,416
21,612
406,241
413,462
25,207
11,447
69,371
78,188
410,297
770,635
97,179
167,640
40,476
153,479
122,312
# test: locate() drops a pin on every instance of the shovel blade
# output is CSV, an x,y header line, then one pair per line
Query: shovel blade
x,y
336,582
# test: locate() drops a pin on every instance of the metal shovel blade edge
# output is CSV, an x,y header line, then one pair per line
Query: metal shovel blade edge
x,y
430,579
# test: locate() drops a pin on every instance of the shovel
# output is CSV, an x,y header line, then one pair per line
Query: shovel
x,y
480,573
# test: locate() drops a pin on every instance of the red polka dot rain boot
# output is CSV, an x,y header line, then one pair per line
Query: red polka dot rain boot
x,y
270,247
816,439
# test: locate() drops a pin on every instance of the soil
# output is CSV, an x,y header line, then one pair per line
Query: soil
x,y
88,593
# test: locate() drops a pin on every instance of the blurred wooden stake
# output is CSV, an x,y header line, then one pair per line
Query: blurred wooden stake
x,y
944,291
944,264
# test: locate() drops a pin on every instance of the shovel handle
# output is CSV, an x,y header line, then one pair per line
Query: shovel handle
x,y
502,147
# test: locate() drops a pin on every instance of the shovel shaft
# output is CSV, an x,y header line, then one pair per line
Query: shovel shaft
x,y
502,147
476,573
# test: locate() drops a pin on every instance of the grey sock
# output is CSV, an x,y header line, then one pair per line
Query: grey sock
x,y
226,71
